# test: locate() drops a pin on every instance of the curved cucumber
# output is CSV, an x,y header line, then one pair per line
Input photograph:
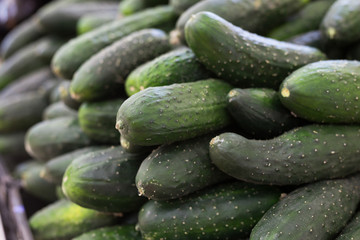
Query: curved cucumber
x,y
351,230
90,21
129,7
65,96
121,232
240,53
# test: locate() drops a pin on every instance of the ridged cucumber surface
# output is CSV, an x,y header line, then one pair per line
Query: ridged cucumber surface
x,y
121,232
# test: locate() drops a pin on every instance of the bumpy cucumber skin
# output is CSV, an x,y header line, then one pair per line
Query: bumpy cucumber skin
x,y
302,155
175,170
104,180
64,220
104,73
58,109
129,7
341,22
90,21
51,138
181,6
324,92
352,229
316,211
227,211
239,54
172,113
177,66
74,53
121,232
259,113
98,120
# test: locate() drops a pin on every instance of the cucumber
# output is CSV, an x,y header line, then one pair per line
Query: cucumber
x,y
20,112
98,119
74,53
51,138
272,60
58,109
315,211
121,232
20,36
259,113
104,73
181,6
63,19
90,21
23,167
133,148
104,180
227,211
341,22
64,220
311,38
352,229
172,113
65,95
175,170
33,56
302,155
176,66
324,92
129,7
12,146
53,170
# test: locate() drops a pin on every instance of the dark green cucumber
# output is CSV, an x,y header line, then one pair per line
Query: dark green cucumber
x,y
98,120
122,232
90,21
104,180
352,229
129,7
20,112
12,147
259,113
172,113
325,92
133,148
63,19
55,94
341,22
302,155
226,211
74,53
311,38
178,169
307,19
315,211
32,183
243,58
254,16
58,109
54,169
33,56
181,6
104,73
65,95
65,220
23,167
51,138
177,66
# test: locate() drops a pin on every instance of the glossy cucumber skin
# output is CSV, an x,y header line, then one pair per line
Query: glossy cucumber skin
x,y
324,92
58,109
98,120
352,229
172,113
178,169
104,180
90,21
226,211
239,53
120,232
75,52
315,211
103,75
259,113
176,66
302,155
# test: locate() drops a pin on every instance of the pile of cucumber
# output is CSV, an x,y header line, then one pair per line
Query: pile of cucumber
x,y
186,119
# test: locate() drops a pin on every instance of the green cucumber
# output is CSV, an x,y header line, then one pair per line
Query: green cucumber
x,y
98,119
74,53
178,169
177,66
302,155
133,148
129,7
23,167
315,211
172,113
181,6
352,229
226,211
307,19
259,113
104,73
311,38
65,220
20,112
90,21
58,109
341,22
324,92
12,146
55,168
51,138
243,58
65,95
22,35
33,56
121,232
104,180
